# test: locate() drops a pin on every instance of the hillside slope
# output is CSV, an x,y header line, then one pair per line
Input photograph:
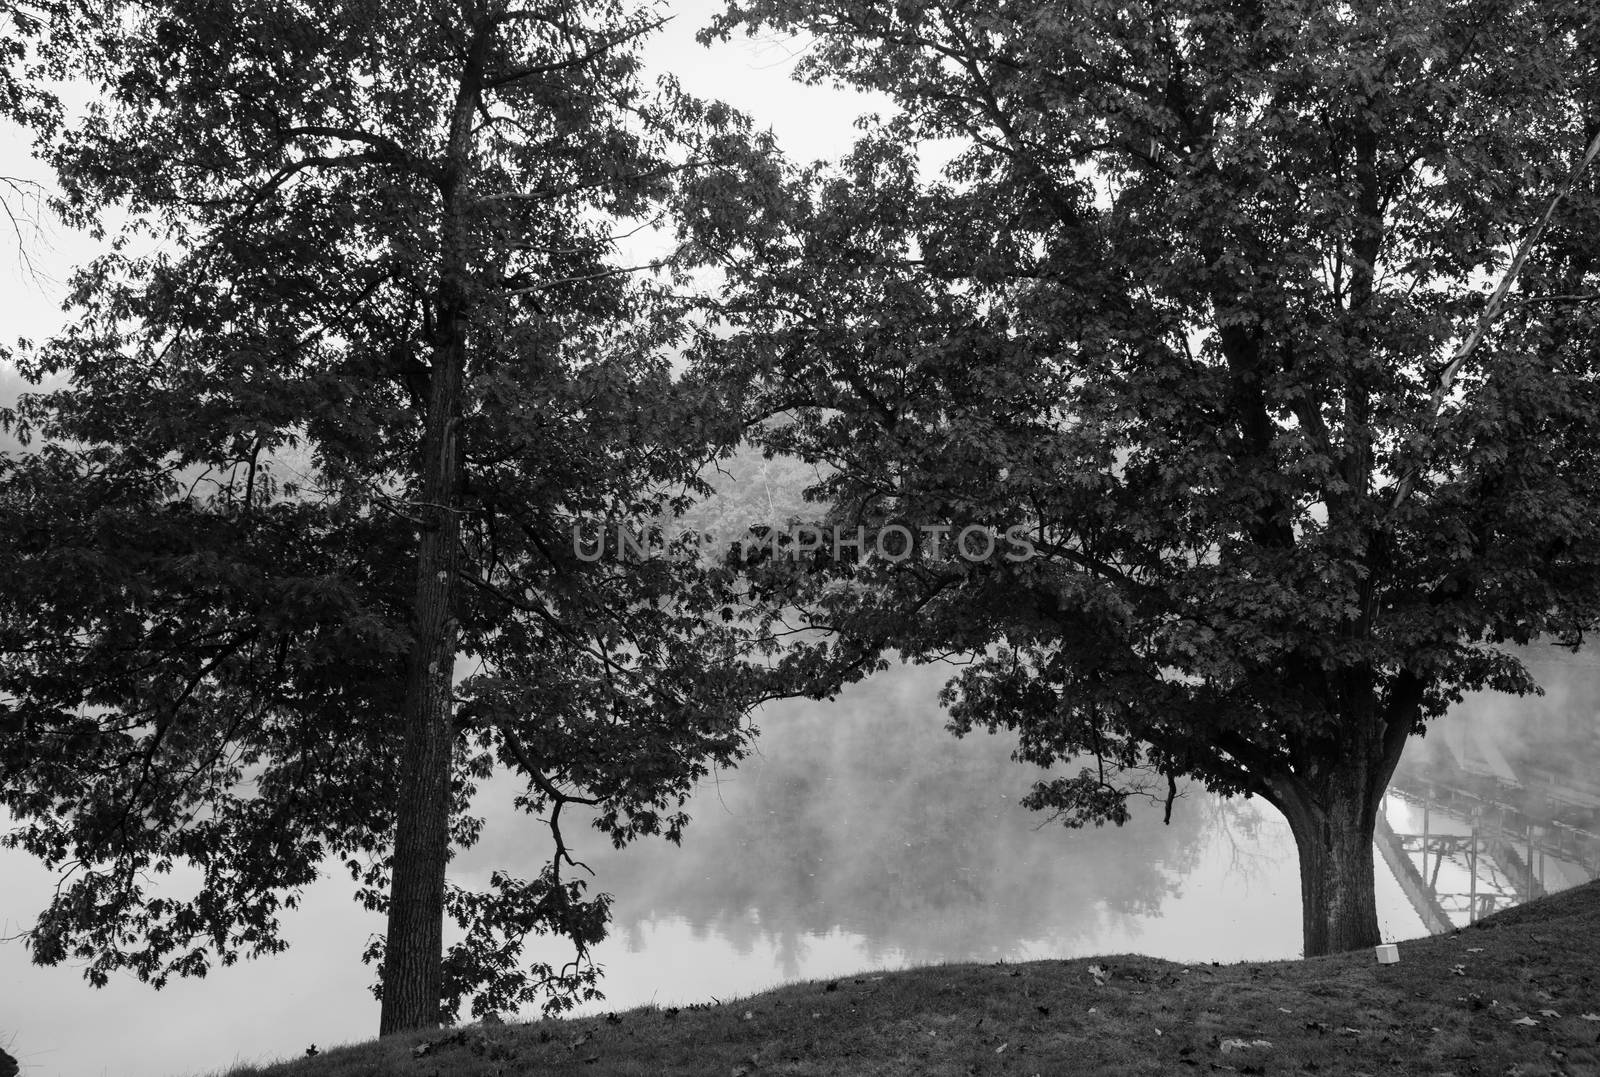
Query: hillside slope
x,y
1518,994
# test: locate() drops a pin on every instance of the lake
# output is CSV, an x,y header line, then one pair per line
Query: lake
x,y
861,837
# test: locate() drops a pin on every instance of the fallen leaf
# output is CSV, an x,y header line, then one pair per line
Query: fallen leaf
x,y
1549,1013
1230,1046
1589,1017
1001,1049
1283,1009
1526,1022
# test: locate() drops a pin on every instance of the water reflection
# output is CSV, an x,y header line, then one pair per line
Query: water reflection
x,y
865,835
867,817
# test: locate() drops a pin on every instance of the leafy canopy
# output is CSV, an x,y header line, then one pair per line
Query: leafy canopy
x,y
1181,303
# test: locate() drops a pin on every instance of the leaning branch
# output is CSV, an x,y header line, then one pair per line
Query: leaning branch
x,y
535,772
1492,312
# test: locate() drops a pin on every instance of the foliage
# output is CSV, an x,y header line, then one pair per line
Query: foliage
x,y
35,35
752,489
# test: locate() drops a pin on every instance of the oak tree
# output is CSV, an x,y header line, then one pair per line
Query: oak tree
x,y
337,396
1203,297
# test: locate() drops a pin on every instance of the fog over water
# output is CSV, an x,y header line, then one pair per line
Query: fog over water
x,y
865,819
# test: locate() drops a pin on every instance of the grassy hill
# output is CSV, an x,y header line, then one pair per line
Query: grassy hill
x,y
1518,994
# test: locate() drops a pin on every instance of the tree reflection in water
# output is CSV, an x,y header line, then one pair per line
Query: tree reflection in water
x,y
865,816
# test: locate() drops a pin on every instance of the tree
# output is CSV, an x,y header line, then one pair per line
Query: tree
x,y
334,428
1198,304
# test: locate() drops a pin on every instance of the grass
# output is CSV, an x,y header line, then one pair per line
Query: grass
x,y
1506,997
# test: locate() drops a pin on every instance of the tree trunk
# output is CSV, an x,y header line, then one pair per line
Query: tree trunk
x,y
414,946
1333,833
413,963
1331,793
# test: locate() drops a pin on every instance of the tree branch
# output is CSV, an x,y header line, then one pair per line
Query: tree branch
x,y
1490,314
496,81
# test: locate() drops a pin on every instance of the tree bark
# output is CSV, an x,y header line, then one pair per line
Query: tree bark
x,y
414,947
413,963
1331,790
1333,832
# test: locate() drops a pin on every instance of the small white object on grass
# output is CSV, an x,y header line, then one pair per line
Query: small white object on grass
x,y
1388,954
